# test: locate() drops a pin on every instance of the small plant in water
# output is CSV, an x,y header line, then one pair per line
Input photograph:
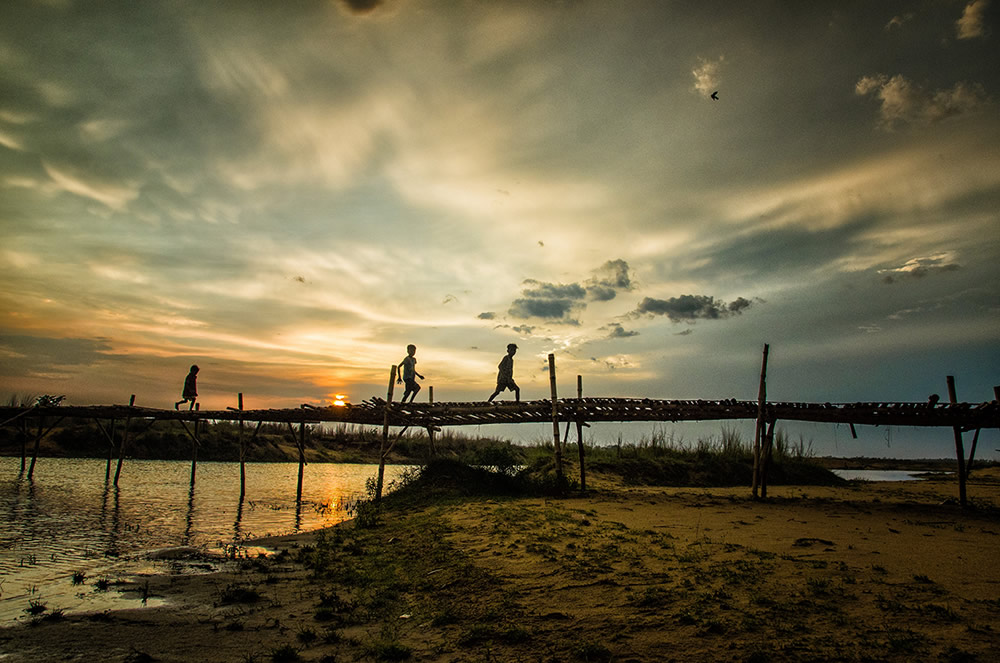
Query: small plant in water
x,y
79,577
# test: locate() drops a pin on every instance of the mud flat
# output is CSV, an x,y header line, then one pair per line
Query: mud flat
x,y
869,571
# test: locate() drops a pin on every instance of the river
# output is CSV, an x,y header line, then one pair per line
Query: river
x,y
69,541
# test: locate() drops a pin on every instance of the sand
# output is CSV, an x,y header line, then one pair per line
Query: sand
x,y
866,572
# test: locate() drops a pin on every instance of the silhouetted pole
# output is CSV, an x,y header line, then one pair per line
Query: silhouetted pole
x,y
111,451
765,463
243,453
430,429
24,444
761,407
959,445
194,451
121,447
302,459
579,433
385,436
555,417
38,441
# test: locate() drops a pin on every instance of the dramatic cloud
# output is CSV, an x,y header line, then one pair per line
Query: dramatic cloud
x,y
523,329
487,315
553,290
554,309
617,331
918,268
556,301
905,102
688,308
706,76
608,279
973,21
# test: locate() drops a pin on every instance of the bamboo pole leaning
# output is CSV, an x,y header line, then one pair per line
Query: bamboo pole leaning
x,y
555,417
385,436
959,445
761,409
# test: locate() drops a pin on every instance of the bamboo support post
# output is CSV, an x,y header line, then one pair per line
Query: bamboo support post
x,y
430,429
761,407
24,444
38,441
243,452
765,463
385,436
959,445
121,446
579,434
302,460
555,417
109,435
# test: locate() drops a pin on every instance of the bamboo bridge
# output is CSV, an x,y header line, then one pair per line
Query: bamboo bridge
x,y
961,417
375,412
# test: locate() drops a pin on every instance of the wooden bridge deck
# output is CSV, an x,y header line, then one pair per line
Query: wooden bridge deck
x,y
966,416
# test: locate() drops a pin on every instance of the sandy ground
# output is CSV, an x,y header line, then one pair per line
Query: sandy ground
x,y
866,572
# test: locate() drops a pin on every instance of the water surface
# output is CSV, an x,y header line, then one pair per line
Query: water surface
x,y
880,475
67,520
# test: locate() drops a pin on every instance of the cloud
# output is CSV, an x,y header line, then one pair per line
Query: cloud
x,y
558,301
905,102
523,329
39,355
973,21
608,279
918,268
116,194
689,308
361,7
897,21
487,315
553,290
617,331
706,76
556,309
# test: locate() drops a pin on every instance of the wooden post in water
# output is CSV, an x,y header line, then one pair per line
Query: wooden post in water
x,y
555,417
385,436
959,445
579,434
194,452
302,459
243,452
24,443
121,447
111,451
761,407
38,441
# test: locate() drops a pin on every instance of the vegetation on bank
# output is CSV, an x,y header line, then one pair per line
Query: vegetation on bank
x,y
657,459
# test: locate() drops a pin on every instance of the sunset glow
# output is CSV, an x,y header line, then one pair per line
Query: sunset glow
x,y
288,195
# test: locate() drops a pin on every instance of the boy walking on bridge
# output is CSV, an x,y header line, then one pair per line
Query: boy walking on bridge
x,y
190,392
505,375
407,371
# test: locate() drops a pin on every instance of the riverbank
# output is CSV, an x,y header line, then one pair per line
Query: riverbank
x,y
863,571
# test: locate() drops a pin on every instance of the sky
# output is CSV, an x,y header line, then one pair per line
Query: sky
x,y
287,194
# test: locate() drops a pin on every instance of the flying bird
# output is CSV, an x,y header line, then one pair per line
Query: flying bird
x,y
715,95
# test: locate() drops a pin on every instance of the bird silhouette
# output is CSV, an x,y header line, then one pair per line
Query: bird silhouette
x,y
715,95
